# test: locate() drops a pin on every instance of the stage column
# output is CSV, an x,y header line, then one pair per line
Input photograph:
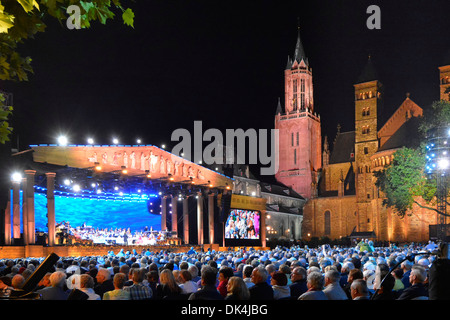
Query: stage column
x,y
24,211
163,213
211,217
262,230
175,214
8,220
30,206
51,208
199,218
186,220
16,209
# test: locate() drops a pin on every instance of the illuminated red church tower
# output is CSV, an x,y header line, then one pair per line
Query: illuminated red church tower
x,y
300,139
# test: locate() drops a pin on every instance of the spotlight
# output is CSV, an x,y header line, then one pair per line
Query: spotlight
x,y
138,141
124,170
16,177
76,188
115,141
163,146
90,141
67,182
62,140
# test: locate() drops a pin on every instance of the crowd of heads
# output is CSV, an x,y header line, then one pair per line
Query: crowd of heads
x,y
282,273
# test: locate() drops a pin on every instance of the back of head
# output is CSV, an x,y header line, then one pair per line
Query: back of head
x,y
360,286
57,279
119,280
247,272
333,275
86,281
208,276
280,278
316,280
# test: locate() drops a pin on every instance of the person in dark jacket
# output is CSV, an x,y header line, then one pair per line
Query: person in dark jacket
x,y
417,289
208,283
385,291
298,286
56,290
261,290
104,282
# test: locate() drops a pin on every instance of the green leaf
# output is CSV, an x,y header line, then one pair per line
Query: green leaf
x,y
128,17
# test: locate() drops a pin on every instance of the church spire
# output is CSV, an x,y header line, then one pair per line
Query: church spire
x,y
299,54
279,107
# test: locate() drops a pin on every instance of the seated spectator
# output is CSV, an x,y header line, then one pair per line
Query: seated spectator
x,y
315,282
208,283
138,290
225,273
280,286
152,281
298,286
384,292
261,290
56,290
359,290
87,286
353,275
17,282
167,288
333,289
186,284
45,281
237,289
417,290
247,275
104,282
398,285
118,293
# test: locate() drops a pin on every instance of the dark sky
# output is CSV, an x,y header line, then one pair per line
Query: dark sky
x,y
221,62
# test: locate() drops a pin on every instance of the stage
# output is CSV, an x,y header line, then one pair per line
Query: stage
x,y
39,251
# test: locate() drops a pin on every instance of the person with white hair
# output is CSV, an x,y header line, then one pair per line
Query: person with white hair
x,y
333,290
104,282
417,290
315,283
359,290
56,289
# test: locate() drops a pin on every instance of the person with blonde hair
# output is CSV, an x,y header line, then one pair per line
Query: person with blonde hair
x,y
237,289
118,293
168,288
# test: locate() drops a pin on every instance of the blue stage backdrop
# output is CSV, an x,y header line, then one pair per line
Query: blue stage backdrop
x,y
99,213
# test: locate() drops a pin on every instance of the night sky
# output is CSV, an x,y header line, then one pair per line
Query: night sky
x,y
221,62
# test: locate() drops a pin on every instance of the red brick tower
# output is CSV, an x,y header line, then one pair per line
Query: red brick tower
x,y
300,140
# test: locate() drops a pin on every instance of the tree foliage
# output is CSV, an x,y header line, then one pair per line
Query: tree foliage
x,y
23,19
404,181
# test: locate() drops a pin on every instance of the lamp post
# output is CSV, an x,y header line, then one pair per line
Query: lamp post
x,y
438,167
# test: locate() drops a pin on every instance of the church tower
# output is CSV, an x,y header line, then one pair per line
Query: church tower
x,y
368,104
300,154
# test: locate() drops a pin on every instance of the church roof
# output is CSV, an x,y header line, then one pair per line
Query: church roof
x,y
279,189
299,53
279,108
344,148
406,136
369,72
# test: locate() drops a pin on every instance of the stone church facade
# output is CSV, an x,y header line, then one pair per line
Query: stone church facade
x,y
336,179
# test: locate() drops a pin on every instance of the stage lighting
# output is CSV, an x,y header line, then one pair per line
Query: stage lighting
x,y
93,185
62,140
138,141
16,177
443,163
163,146
115,141
90,141
76,188
67,182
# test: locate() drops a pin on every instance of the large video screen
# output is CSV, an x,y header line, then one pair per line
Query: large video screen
x,y
243,224
97,213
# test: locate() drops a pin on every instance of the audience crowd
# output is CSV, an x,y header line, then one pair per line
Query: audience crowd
x,y
296,273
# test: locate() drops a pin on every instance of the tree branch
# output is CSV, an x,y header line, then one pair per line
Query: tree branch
x,y
430,208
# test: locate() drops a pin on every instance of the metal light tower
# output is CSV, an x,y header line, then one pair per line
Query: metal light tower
x,y
438,166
